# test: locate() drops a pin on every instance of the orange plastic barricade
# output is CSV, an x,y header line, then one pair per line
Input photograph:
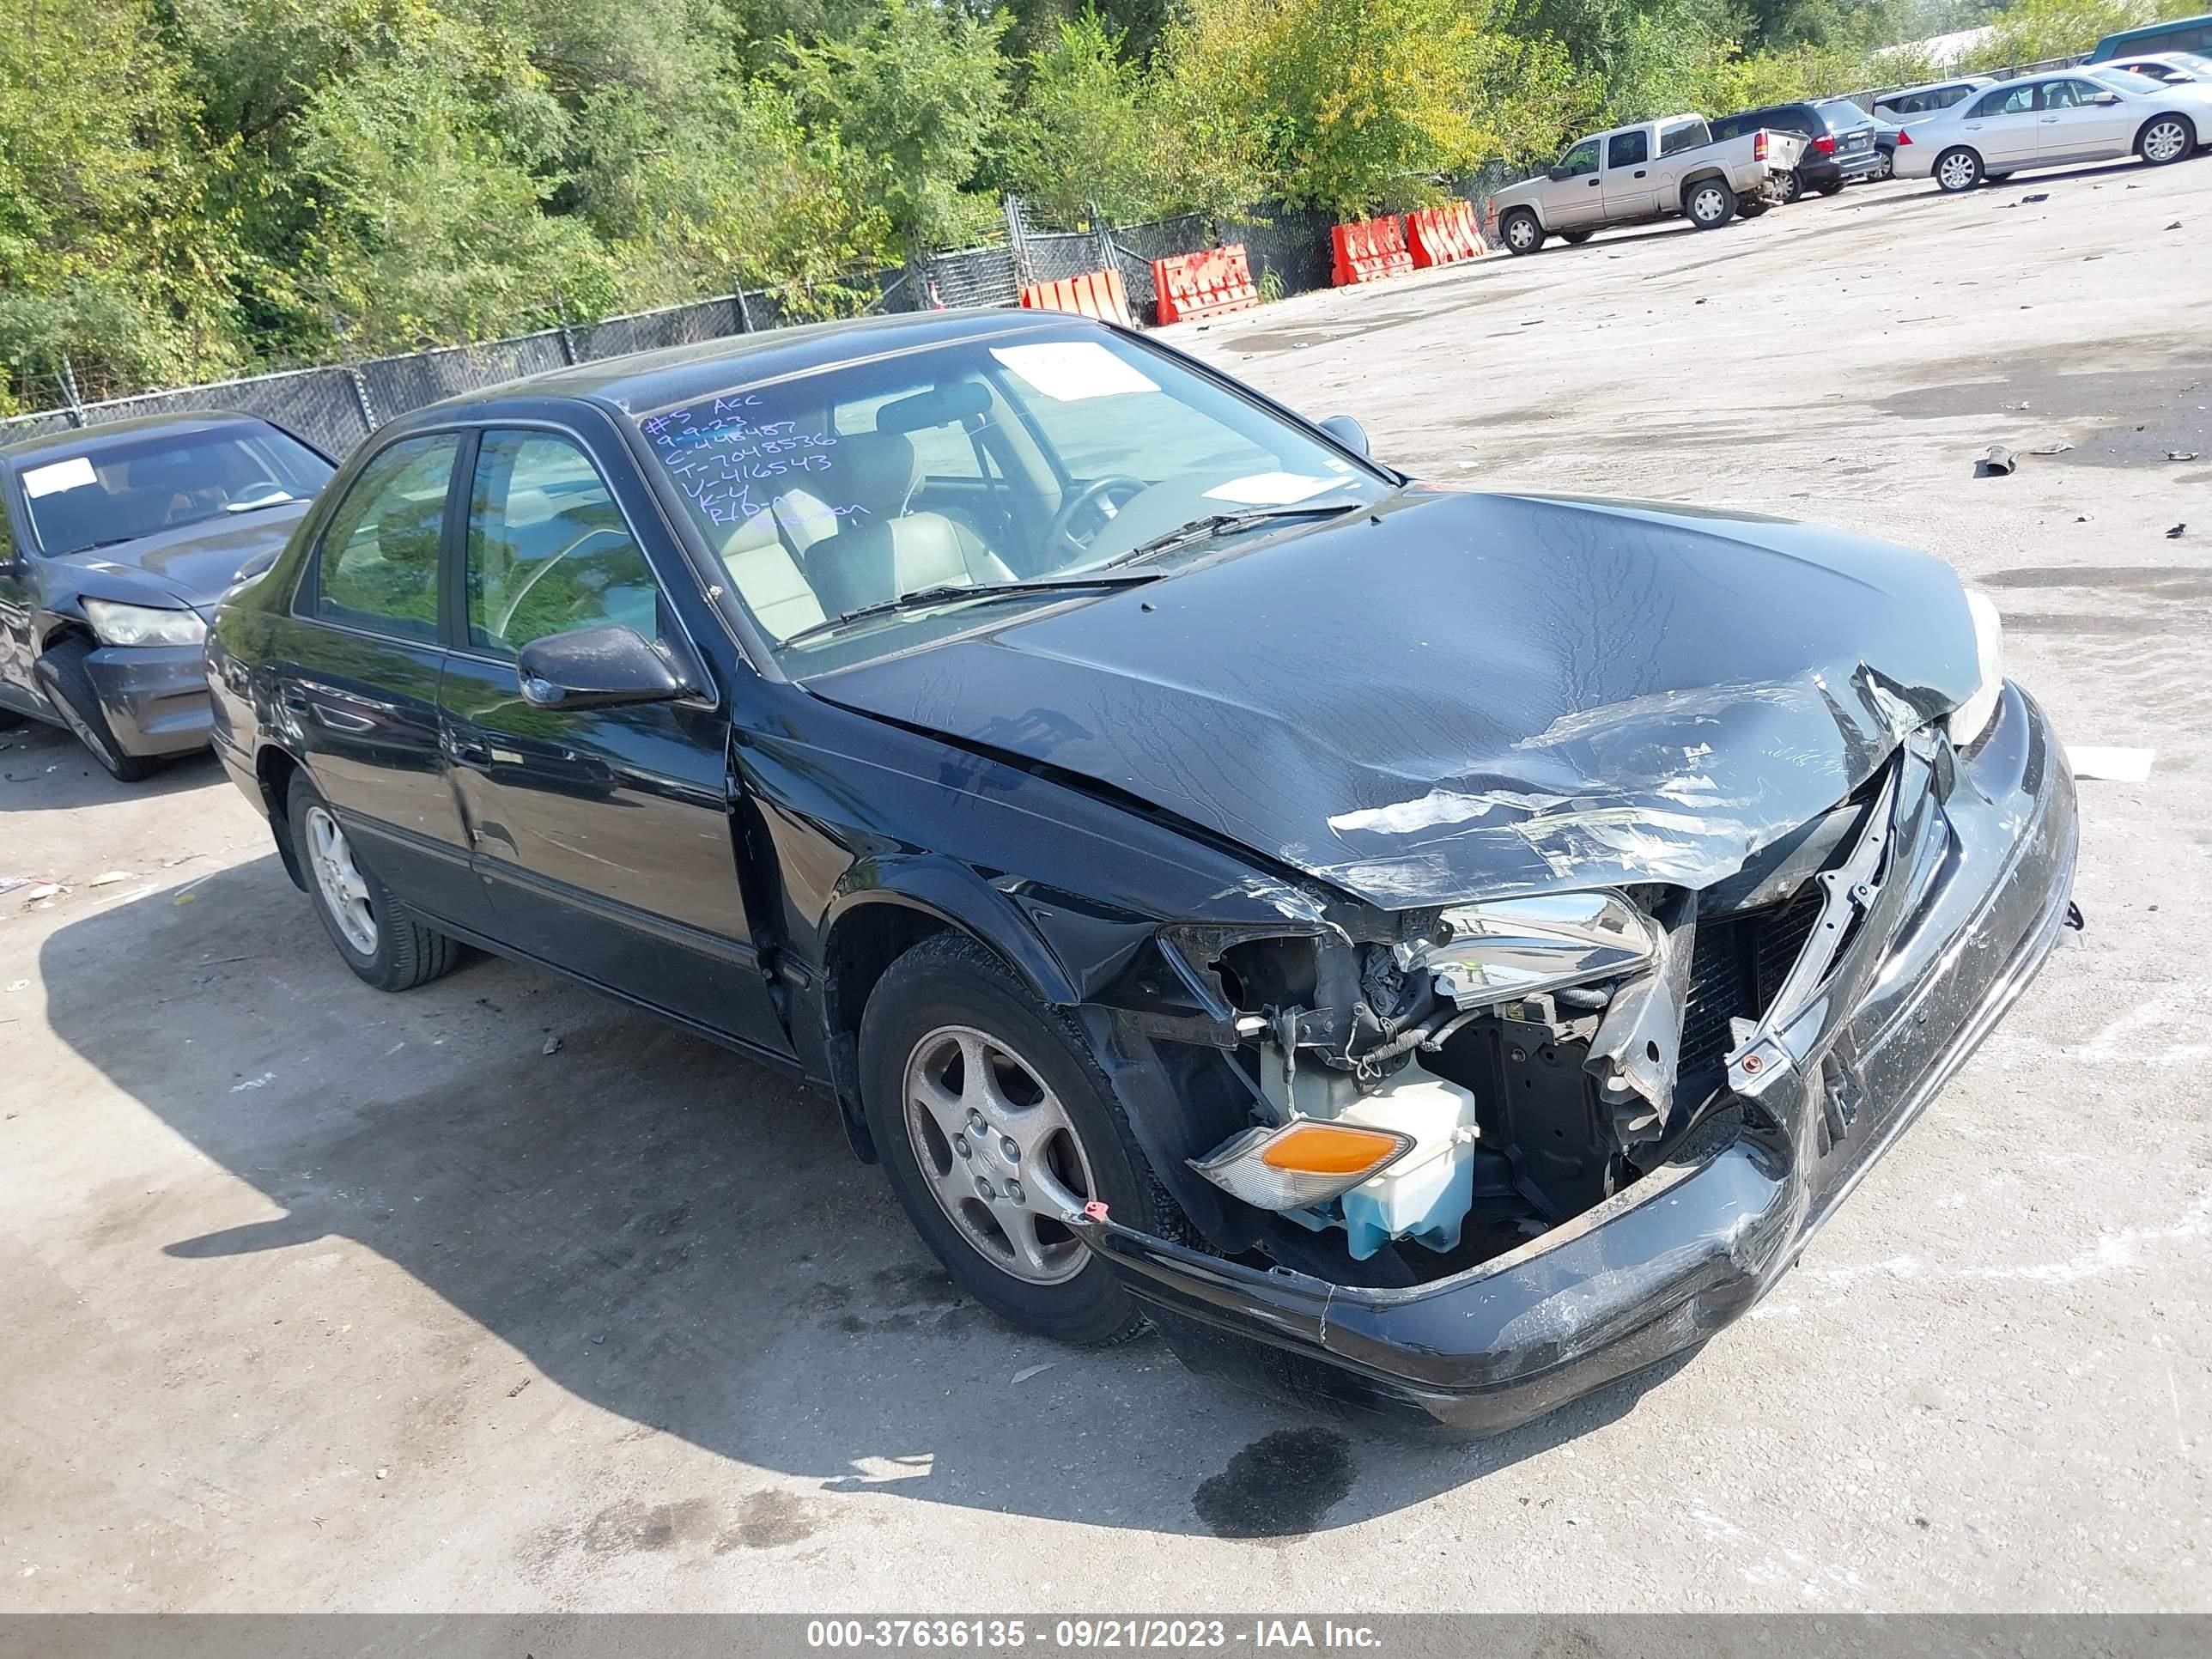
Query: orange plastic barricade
x,y
1369,251
1191,286
1100,293
1443,236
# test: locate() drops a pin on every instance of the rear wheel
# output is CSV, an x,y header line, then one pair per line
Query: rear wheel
x,y
1575,238
1709,203
1885,166
1520,232
61,673
1792,186
377,934
994,1122
1833,187
2165,139
1958,170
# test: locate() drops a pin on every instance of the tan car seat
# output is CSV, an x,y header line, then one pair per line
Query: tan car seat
x,y
757,554
884,550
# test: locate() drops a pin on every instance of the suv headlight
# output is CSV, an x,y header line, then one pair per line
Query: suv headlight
x,y
143,624
1511,948
1972,718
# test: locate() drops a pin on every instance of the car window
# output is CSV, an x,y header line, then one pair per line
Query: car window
x,y
1580,158
2005,101
548,550
943,451
2118,80
1945,97
1628,149
114,491
1844,117
378,567
1681,136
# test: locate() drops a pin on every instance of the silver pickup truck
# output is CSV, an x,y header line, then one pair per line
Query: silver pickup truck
x,y
1653,170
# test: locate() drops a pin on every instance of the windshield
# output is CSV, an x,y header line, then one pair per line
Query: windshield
x,y
2126,80
1844,116
118,492
1048,456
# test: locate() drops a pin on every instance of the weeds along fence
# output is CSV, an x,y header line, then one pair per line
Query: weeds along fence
x,y
334,406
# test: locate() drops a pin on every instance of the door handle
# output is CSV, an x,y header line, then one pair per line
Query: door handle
x,y
294,699
2050,121
1639,172
469,752
1594,184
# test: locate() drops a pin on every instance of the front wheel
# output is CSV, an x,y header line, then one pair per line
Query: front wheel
x,y
1710,203
62,675
377,934
2165,140
1958,170
1520,232
994,1122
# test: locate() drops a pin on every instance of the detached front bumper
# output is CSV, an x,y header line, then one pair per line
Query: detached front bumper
x,y
154,696
1977,894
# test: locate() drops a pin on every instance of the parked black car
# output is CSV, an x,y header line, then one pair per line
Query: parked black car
x,y
1887,137
115,543
1433,951
1839,136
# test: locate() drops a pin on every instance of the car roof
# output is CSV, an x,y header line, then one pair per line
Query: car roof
x,y
653,379
1932,85
2122,39
111,434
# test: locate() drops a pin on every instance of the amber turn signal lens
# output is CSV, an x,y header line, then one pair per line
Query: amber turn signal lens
x,y
1329,1148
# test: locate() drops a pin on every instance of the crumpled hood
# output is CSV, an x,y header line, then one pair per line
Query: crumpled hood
x,y
195,563
1469,696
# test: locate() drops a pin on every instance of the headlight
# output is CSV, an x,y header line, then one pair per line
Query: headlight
x,y
1303,1162
1512,948
143,624
1972,718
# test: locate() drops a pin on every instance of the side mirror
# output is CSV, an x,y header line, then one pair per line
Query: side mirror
x,y
259,565
1347,432
2106,98
1558,175
596,668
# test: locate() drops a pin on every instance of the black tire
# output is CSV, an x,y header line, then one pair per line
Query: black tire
x,y
950,981
1748,206
406,953
1521,231
1792,186
1575,238
62,675
1958,170
1884,167
1708,203
1833,187
2166,139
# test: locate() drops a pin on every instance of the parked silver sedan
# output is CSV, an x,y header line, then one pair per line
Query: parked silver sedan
x,y
2088,114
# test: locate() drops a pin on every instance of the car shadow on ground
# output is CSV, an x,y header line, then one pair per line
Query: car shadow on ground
x,y
36,753
671,1233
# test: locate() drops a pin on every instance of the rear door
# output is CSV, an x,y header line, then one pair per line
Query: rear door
x,y
603,836
2073,126
1628,192
357,698
2001,125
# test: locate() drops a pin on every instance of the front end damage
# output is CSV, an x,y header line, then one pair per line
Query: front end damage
x,y
1474,1161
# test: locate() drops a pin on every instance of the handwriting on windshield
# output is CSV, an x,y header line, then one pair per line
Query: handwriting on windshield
x,y
732,462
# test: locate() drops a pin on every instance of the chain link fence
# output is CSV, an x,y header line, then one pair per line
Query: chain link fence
x,y
337,406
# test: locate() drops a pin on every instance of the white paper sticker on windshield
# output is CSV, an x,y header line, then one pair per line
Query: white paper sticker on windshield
x,y
1068,371
1268,489
72,474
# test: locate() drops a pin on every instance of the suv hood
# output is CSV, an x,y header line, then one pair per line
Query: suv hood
x,y
1468,695
194,563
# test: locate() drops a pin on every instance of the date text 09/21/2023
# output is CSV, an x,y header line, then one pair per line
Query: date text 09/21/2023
x,y
1097,1634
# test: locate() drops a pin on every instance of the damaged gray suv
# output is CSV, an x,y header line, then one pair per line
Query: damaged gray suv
x,y
1432,952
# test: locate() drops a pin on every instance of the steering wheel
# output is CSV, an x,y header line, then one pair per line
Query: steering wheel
x,y
1094,497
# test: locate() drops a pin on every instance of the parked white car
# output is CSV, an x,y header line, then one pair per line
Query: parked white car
x,y
1902,107
2167,67
2055,120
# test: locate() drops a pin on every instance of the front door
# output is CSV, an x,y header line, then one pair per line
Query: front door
x,y
1578,198
603,836
1629,192
2073,126
2001,126
16,603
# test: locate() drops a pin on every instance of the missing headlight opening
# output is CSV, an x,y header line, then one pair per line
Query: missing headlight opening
x,y
1511,1064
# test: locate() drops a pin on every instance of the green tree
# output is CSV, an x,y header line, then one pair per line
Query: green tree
x,y
1084,139
913,97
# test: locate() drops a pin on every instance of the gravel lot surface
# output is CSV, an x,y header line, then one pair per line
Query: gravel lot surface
x,y
316,1298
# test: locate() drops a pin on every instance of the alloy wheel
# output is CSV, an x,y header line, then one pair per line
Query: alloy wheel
x,y
998,1153
339,880
1520,232
2165,141
1956,172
